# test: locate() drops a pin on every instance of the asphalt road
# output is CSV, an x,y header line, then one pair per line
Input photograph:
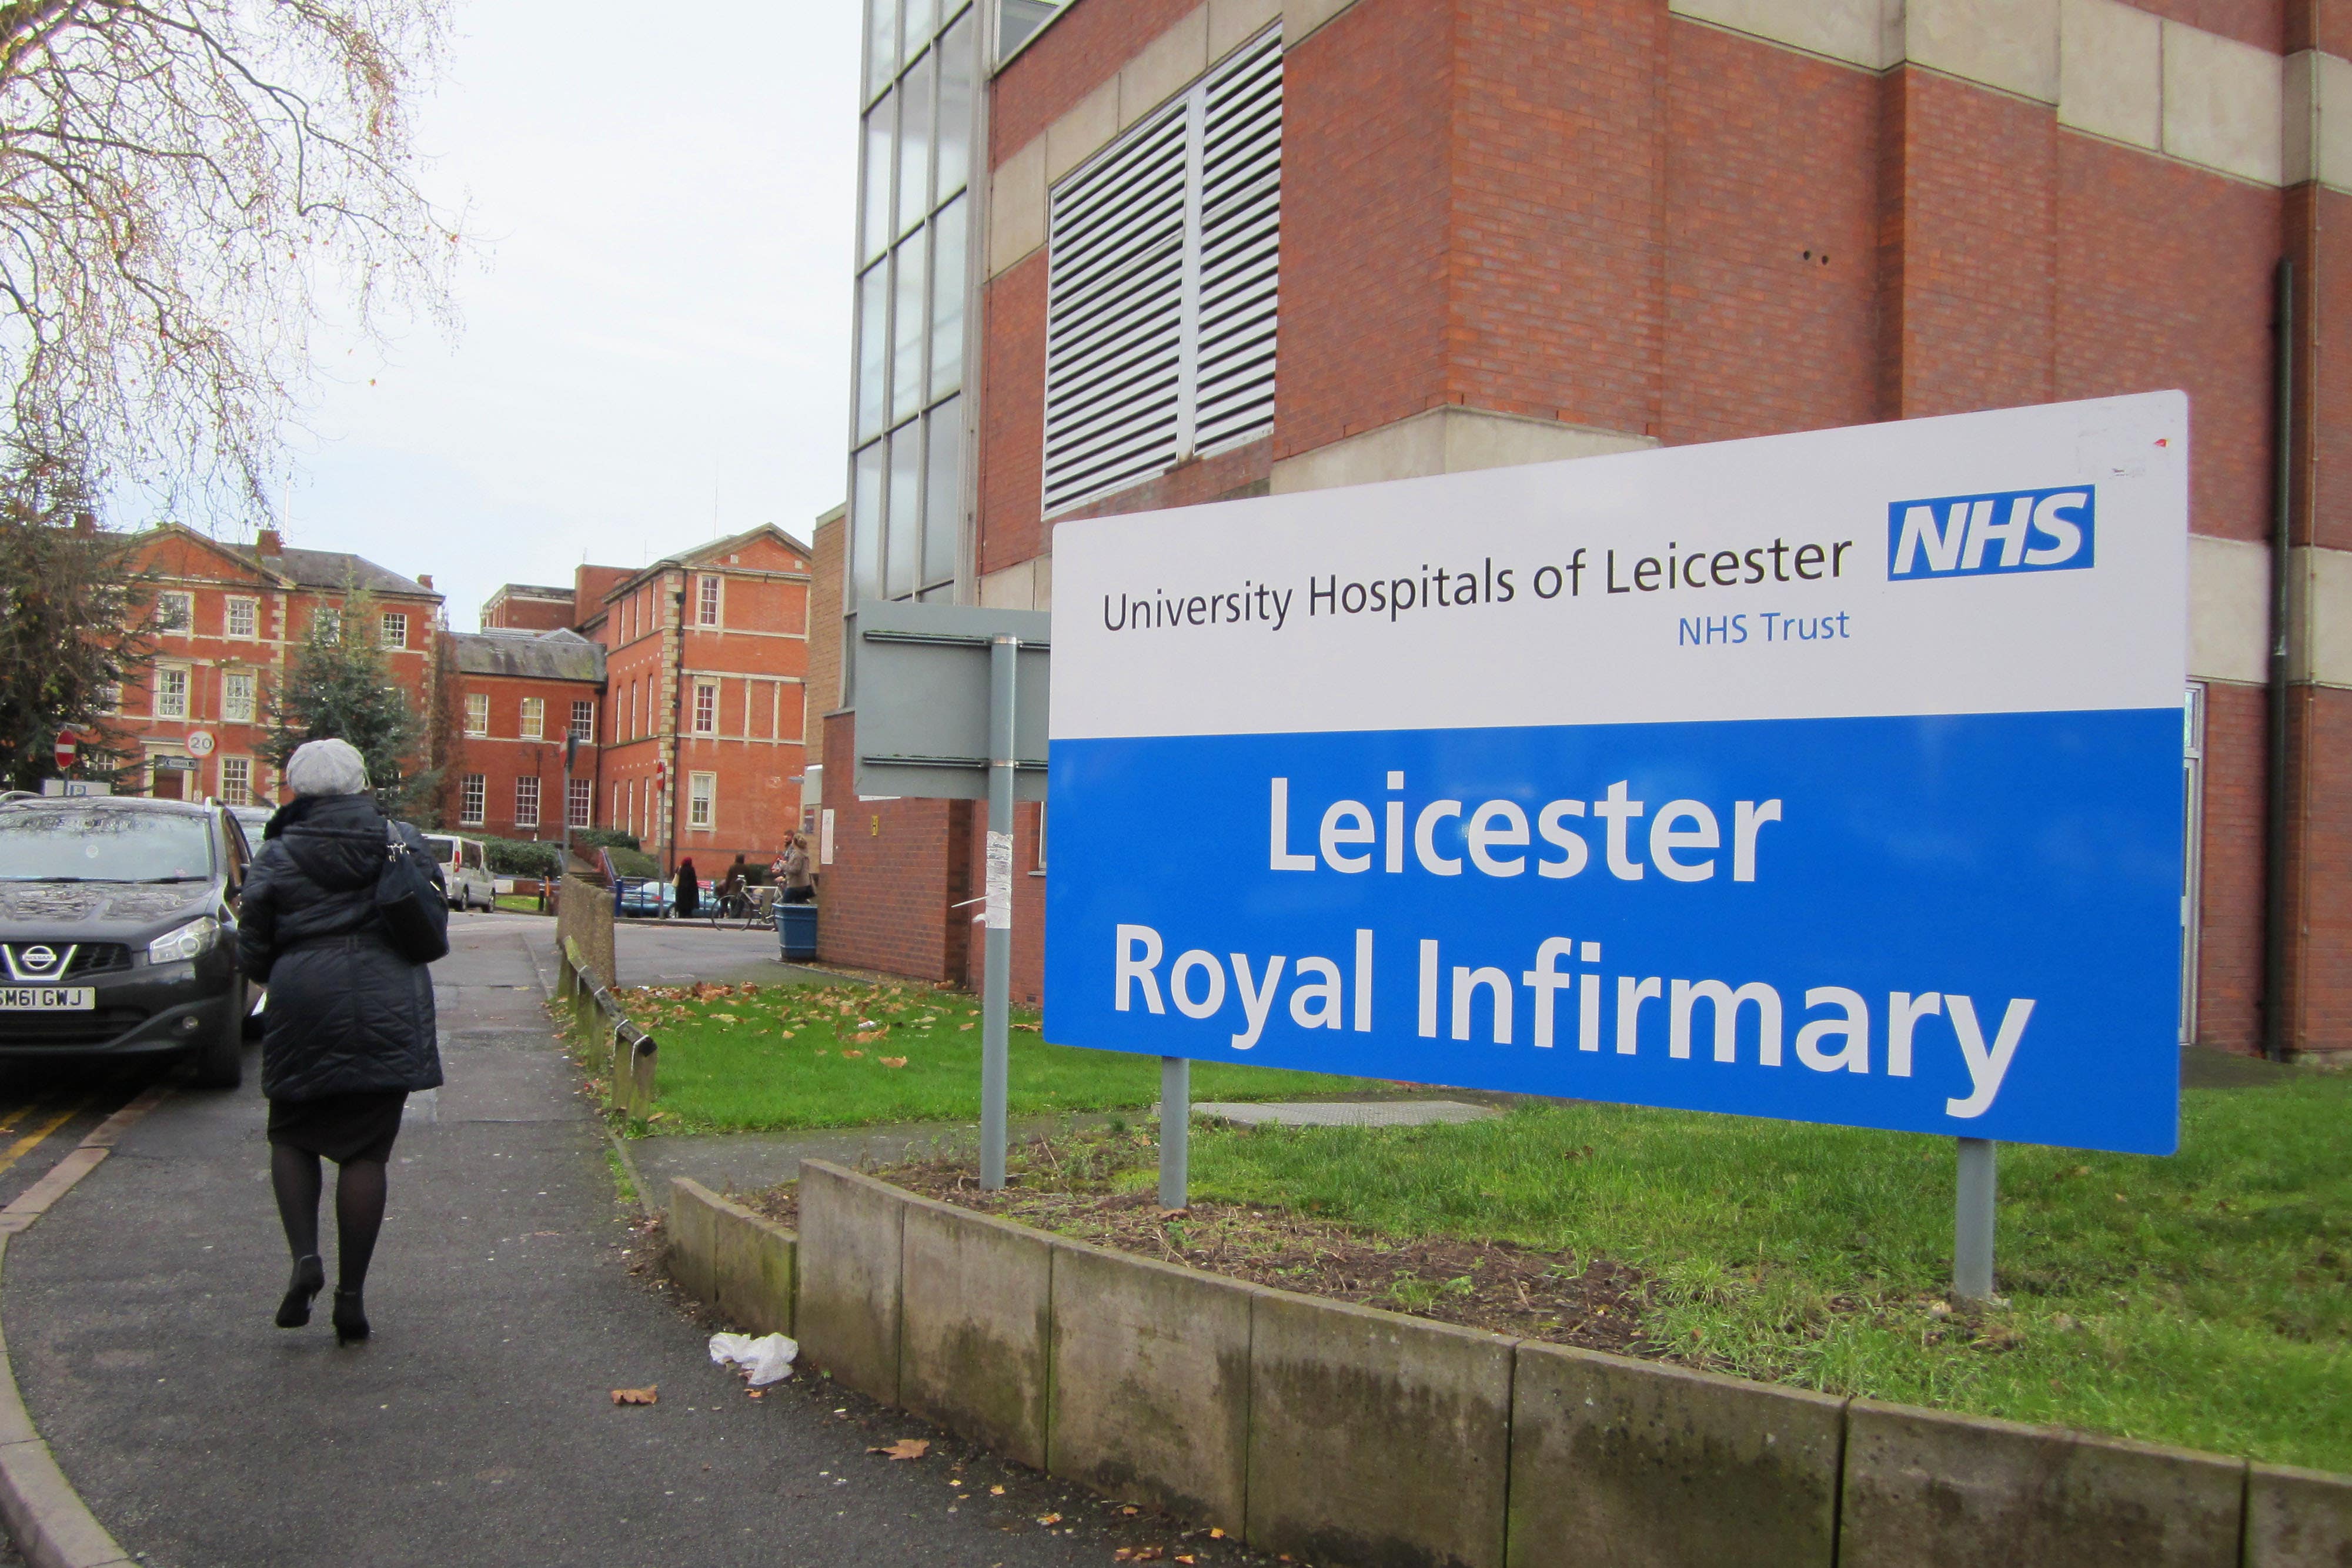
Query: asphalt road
x,y
477,1426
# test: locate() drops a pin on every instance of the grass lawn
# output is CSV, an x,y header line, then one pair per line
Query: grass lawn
x,y
750,1058
2203,1300
515,903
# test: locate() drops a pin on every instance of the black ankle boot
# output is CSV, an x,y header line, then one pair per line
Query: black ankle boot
x,y
309,1278
351,1318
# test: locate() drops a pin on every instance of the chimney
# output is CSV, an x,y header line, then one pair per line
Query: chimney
x,y
424,580
84,523
268,543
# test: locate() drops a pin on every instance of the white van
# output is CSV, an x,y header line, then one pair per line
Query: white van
x,y
464,872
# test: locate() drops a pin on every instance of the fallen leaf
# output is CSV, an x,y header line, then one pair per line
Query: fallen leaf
x,y
1030,1028
868,1037
757,1393
1215,1534
1185,1557
637,1395
853,1053
905,1449
1128,1508
891,1060
996,1492
1049,1519
965,1026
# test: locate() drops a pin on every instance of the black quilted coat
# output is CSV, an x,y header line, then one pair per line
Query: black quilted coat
x,y
347,1013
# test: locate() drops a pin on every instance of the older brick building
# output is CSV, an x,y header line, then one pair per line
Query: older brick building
x,y
229,616
531,702
706,697
1514,232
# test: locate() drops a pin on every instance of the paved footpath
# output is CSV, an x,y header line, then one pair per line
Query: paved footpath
x,y
477,1426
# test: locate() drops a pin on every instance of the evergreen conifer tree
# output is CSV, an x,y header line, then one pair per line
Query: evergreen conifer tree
x,y
339,686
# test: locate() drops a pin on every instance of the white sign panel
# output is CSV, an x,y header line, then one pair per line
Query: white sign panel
x,y
1831,776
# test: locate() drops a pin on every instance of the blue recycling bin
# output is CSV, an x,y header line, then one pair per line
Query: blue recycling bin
x,y
797,930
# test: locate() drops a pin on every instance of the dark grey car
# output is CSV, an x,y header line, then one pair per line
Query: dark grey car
x,y
118,931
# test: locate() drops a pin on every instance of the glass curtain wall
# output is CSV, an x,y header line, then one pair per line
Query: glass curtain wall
x,y
906,471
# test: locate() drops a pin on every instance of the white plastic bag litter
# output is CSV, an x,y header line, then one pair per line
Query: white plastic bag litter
x,y
768,1359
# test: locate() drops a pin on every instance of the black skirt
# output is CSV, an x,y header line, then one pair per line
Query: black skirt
x,y
339,1128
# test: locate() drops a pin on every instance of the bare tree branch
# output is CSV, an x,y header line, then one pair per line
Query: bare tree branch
x,y
187,189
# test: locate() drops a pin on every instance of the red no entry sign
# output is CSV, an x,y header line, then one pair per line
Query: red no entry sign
x,y
67,750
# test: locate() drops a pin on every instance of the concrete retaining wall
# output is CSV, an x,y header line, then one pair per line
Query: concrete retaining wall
x,y
1343,1435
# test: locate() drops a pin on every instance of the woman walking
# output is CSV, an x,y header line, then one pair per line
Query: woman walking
x,y
349,1030
690,890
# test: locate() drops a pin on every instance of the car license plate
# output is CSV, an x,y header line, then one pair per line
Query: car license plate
x,y
47,998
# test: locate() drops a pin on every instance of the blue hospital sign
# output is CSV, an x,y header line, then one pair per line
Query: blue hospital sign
x,y
1833,777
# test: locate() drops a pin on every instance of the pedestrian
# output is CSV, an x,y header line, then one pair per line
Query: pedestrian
x,y
689,890
731,890
793,867
348,1031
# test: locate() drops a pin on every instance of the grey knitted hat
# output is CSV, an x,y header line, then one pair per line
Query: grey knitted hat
x,y
326,768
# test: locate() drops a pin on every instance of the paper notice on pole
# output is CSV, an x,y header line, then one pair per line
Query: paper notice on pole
x,y
999,913
825,838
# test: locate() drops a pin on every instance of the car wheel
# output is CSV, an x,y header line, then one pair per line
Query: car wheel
x,y
220,1059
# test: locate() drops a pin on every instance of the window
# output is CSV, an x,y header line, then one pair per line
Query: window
x,y
396,628
243,618
1041,835
478,714
237,696
914,239
701,799
580,802
584,720
706,707
534,718
236,780
330,623
1160,308
109,698
171,691
706,612
527,801
619,813
176,612
471,796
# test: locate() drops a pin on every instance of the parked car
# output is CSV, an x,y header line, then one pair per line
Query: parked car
x,y
647,895
465,872
253,819
118,931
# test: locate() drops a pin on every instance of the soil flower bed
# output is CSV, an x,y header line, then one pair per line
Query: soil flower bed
x,y
2203,1300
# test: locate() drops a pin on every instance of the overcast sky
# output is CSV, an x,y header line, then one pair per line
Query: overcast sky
x,y
656,345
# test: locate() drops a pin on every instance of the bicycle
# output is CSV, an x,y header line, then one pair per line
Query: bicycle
x,y
750,910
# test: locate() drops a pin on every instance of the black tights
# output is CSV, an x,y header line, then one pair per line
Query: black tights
x,y
358,1208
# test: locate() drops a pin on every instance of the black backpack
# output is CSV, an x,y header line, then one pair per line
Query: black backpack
x,y
409,900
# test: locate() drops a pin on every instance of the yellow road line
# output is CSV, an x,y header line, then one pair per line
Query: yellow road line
x,y
25,1145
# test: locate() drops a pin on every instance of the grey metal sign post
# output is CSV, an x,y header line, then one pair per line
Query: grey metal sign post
x,y
1972,1219
951,705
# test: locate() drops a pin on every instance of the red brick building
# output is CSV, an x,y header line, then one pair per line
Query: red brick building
x,y
229,616
706,699
1512,233
522,695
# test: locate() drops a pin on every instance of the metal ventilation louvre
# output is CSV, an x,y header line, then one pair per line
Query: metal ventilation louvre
x,y
1114,317
1241,226
1160,317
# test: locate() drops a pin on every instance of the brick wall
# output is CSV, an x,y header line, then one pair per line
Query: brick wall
x,y
1772,220
1607,216
2148,301
1366,156
2229,966
897,866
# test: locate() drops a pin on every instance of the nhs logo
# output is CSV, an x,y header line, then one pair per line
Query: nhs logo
x,y
2016,530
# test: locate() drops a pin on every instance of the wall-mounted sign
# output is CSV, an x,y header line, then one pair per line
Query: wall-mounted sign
x,y
1833,777
200,743
173,764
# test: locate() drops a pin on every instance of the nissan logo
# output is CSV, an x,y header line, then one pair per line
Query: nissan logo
x,y
38,956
